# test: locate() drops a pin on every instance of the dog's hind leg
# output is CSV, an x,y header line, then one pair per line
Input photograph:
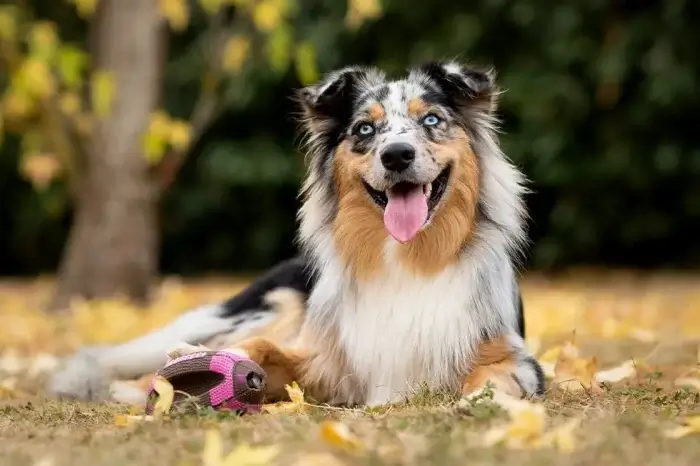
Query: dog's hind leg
x,y
88,374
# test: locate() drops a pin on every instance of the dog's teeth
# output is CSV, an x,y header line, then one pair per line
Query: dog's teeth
x,y
427,189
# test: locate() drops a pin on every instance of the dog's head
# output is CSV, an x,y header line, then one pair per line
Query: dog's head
x,y
398,157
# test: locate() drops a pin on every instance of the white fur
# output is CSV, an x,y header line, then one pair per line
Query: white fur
x,y
400,330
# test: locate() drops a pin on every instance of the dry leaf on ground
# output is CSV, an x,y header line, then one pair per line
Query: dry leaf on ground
x,y
527,429
123,420
166,395
340,436
318,459
296,405
692,426
242,455
573,373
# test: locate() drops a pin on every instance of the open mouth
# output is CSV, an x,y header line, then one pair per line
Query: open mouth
x,y
433,191
408,206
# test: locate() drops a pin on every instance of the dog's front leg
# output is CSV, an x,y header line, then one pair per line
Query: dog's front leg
x,y
282,366
504,363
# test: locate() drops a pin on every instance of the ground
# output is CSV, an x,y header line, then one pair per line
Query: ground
x,y
644,326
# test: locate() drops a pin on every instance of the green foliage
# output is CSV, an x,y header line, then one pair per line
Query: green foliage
x,y
598,111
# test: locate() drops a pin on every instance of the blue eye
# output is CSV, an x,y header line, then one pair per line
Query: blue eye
x,y
431,120
365,129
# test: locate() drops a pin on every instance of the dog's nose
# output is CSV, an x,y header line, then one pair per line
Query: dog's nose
x,y
398,156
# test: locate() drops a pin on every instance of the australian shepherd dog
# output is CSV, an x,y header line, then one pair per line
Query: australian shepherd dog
x,y
411,228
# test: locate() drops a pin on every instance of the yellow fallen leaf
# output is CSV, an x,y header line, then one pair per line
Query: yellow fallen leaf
x,y
573,373
47,461
623,371
692,426
562,437
693,382
8,388
525,429
41,364
318,459
123,420
296,405
295,393
551,355
213,448
246,455
339,435
534,345
166,394
547,369
242,455
643,335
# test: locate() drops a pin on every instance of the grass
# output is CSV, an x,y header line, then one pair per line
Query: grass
x,y
623,425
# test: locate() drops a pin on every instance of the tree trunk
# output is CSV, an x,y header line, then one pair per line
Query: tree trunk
x,y
113,244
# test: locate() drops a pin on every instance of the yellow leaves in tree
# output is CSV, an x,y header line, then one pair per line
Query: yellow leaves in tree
x,y
70,103
278,49
180,135
17,105
43,40
235,53
71,63
211,7
177,12
307,71
268,14
103,90
162,130
8,23
361,10
39,168
34,77
85,8
243,455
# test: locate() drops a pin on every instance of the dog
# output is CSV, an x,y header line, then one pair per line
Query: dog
x,y
412,228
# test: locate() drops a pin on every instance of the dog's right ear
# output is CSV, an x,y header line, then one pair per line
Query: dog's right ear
x,y
332,97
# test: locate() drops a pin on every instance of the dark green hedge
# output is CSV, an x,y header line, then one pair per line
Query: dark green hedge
x,y
599,112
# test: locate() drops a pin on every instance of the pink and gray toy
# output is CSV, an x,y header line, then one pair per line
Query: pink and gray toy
x,y
218,379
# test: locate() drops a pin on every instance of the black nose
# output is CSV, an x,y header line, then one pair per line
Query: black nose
x,y
398,156
254,381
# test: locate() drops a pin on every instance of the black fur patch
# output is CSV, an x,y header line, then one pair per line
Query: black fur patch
x,y
291,273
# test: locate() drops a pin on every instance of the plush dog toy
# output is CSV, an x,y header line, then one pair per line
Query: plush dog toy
x,y
219,379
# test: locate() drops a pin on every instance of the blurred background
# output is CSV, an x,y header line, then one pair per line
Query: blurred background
x,y
143,138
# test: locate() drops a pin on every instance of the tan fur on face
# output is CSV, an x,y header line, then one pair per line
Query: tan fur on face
x,y
417,107
376,112
359,227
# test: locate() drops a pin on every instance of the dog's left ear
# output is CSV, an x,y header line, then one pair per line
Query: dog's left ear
x,y
470,89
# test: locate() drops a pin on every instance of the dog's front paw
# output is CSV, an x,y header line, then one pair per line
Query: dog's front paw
x,y
81,377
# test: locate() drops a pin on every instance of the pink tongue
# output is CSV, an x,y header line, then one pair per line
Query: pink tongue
x,y
405,213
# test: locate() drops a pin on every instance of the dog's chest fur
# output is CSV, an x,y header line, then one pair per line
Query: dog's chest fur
x,y
401,330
